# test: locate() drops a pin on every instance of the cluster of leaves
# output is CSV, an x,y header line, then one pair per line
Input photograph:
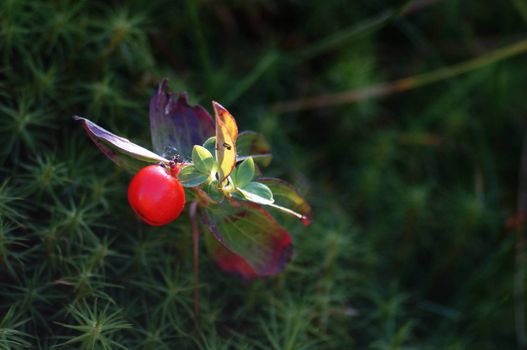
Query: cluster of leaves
x,y
250,242
409,248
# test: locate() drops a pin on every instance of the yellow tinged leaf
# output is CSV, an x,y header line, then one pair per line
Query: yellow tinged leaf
x,y
226,135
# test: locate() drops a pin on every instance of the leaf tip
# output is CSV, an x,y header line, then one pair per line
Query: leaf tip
x,y
306,221
163,85
218,108
183,98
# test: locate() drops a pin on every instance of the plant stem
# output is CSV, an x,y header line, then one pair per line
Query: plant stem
x,y
195,237
404,84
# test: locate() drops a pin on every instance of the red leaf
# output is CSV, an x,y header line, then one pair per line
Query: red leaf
x,y
230,262
244,239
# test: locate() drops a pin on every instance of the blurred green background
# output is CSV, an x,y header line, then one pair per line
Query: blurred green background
x,y
417,241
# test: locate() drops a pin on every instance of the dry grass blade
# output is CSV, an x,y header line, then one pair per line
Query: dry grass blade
x,y
401,85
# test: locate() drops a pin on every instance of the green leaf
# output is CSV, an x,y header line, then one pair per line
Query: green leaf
x,y
287,199
237,196
214,193
202,159
257,193
210,144
253,144
244,173
189,176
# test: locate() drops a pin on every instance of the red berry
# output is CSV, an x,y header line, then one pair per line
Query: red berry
x,y
156,195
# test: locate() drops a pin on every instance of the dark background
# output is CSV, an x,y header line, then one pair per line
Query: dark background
x,y
417,240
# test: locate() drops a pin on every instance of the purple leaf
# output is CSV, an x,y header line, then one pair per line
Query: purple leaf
x,y
123,152
246,240
175,125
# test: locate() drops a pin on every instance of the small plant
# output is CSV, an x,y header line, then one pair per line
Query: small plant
x,y
218,168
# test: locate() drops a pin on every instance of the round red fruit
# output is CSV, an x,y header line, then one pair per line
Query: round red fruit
x,y
156,195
